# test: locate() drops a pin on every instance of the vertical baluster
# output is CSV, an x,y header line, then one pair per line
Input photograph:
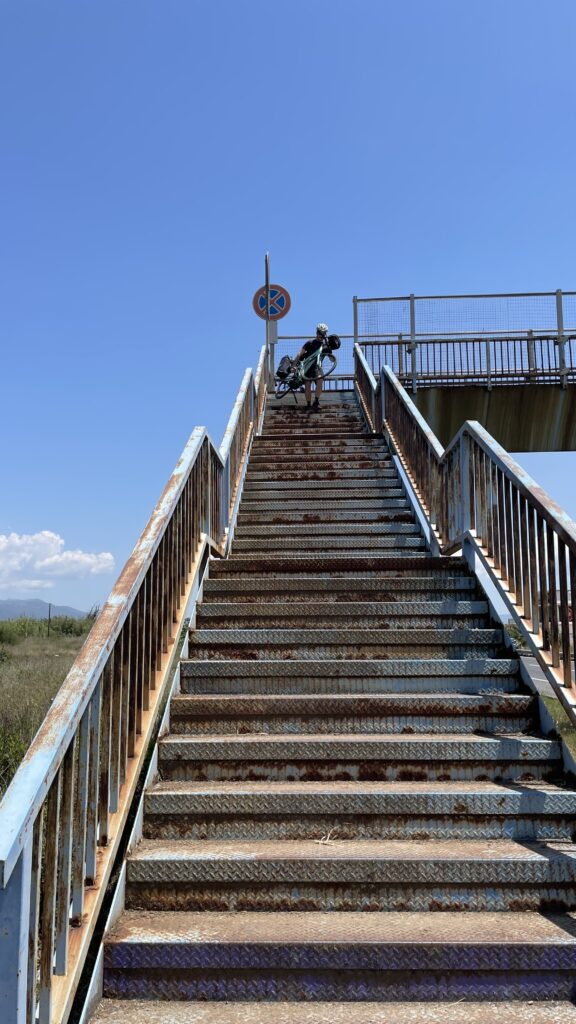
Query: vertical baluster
x,y
105,737
484,519
35,876
503,537
162,601
526,593
517,551
509,536
156,627
48,903
80,801
116,724
148,675
139,668
564,615
93,777
543,576
62,923
533,555
552,597
125,730
493,469
132,681
573,606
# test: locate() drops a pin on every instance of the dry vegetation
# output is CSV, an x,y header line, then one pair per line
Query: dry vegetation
x,y
32,668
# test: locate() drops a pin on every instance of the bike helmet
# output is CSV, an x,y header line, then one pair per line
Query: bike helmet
x,y
333,341
322,329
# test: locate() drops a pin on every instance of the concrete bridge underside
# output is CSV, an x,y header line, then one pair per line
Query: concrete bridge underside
x,y
530,418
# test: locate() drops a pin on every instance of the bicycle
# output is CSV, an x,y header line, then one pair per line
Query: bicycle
x,y
295,374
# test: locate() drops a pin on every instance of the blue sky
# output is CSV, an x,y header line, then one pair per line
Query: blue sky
x,y
152,151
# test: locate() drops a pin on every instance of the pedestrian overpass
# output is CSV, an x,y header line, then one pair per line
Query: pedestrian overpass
x,y
299,763
464,357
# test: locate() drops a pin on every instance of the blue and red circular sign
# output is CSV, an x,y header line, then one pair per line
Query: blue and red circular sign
x,y
280,302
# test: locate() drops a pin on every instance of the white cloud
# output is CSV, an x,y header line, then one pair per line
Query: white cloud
x,y
31,561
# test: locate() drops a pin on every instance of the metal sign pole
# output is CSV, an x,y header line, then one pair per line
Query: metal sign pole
x,y
271,327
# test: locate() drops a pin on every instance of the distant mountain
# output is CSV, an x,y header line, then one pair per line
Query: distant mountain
x,y
35,609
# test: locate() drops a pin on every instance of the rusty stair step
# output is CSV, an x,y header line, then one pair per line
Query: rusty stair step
x,y
336,589
359,810
303,472
345,500
336,610
342,956
327,542
289,714
352,529
349,874
380,566
360,757
398,514
469,675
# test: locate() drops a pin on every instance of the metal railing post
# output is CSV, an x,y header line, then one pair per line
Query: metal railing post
x,y
355,308
383,397
14,937
488,367
464,497
400,356
413,342
561,341
531,353
271,341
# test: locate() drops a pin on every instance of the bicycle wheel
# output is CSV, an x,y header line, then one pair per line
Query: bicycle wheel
x,y
326,367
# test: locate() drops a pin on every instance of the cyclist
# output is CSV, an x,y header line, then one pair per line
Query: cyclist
x,y
323,342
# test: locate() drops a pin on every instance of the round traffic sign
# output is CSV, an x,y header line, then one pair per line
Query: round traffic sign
x,y
280,302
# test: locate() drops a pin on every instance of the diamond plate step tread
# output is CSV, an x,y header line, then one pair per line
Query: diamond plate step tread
x,y
484,668
365,637
391,498
120,1011
369,459
310,530
334,585
354,747
359,798
430,862
282,473
353,704
328,543
221,609
343,940
334,485
373,564
300,518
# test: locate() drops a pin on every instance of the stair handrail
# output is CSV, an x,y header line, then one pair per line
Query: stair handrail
x,y
475,496
63,818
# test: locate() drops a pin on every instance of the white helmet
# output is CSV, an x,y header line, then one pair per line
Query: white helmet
x,y
322,329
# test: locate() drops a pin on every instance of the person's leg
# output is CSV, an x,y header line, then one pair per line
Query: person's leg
x,y
319,385
308,391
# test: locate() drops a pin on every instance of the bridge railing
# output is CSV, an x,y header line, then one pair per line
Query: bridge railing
x,y
474,494
63,818
425,362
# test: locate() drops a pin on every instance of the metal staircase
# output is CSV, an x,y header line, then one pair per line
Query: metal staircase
x,y
355,802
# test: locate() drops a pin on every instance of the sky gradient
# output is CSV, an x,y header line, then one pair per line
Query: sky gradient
x,y
151,152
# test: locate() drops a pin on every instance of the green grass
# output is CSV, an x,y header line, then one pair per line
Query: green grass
x,y
33,666
564,727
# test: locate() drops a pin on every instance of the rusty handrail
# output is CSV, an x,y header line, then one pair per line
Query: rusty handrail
x,y
474,493
63,816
